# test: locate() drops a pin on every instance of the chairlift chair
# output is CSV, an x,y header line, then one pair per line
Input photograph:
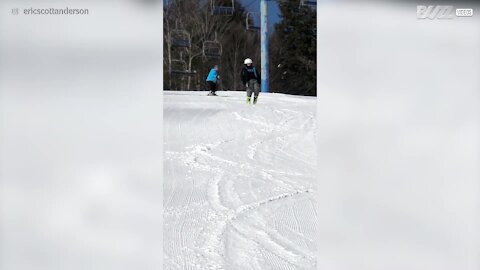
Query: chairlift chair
x,y
212,49
308,3
180,67
250,21
180,38
221,8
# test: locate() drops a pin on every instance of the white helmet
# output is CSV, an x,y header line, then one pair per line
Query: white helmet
x,y
248,61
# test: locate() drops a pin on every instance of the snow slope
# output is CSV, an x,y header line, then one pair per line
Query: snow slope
x,y
239,181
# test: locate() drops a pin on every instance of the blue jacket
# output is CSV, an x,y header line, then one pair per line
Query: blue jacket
x,y
212,76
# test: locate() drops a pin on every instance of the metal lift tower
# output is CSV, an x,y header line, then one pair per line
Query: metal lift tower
x,y
264,44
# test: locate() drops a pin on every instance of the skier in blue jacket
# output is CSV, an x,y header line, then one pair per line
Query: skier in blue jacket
x,y
212,79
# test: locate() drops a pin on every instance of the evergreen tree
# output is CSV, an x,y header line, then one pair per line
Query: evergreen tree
x,y
293,50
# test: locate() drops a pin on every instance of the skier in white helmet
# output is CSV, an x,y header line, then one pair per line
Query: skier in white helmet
x,y
251,79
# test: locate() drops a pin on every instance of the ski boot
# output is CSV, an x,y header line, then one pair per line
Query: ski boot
x,y
255,100
248,100
212,94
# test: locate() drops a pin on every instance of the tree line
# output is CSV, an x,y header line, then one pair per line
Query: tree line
x,y
292,46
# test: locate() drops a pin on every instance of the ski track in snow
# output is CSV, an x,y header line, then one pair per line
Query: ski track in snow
x,y
239,181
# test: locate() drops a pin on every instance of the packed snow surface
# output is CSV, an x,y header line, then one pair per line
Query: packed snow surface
x,y
239,181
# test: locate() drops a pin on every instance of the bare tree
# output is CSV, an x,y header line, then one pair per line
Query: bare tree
x,y
202,26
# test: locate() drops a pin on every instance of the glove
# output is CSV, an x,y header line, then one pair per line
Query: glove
x,y
246,85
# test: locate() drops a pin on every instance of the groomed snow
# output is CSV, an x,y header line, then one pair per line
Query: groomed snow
x,y
239,181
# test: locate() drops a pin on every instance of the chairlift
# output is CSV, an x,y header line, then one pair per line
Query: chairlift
x,y
180,67
180,38
308,3
250,20
222,8
212,49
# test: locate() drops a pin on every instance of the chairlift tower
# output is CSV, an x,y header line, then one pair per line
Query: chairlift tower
x,y
264,44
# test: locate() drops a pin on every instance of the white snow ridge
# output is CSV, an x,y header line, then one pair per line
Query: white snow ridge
x,y
239,181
